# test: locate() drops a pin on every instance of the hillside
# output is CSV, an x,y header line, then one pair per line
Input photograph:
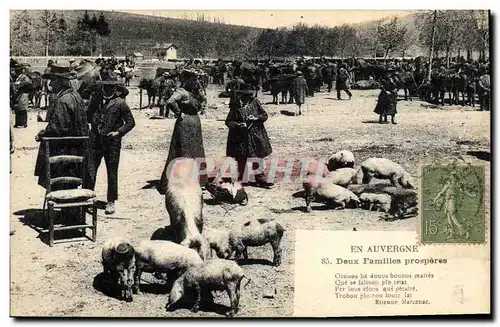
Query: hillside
x,y
132,32
138,33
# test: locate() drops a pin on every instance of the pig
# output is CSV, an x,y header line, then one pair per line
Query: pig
x,y
342,176
381,201
341,159
254,232
219,242
163,257
404,201
386,169
118,262
329,193
184,203
257,232
212,275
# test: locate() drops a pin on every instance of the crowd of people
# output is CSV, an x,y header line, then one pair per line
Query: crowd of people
x,y
106,117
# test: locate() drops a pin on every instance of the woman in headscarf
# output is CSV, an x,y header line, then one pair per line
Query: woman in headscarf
x,y
187,139
247,137
387,99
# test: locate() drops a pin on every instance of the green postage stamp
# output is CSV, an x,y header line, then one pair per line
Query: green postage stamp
x,y
452,204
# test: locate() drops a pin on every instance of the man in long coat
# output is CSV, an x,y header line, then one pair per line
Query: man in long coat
x,y
111,119
484,88
299,90
247,137
22,84
328,76
66,118
343,82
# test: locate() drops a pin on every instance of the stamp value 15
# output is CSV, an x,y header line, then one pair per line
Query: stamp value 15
x,y
452,204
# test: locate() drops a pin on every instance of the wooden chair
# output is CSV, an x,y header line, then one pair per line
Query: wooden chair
x,y
77,197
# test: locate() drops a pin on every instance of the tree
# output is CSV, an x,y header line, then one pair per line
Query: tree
x,y
84,27
60,35
391,36
409,41
93,29
268,43
102,29
480,22
346,35
49,24
22,34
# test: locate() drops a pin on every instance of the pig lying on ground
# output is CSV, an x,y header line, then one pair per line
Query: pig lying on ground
x,y
184,202
255,232
341,159
379,201
386,169
118,262
212,275
342,176
404,201
163,257
325,191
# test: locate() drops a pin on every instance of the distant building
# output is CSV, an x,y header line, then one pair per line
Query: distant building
x,y
165,51
137,56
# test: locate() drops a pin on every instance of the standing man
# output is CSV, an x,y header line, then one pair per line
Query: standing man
x,y
328,75
22,84
343,81
66,118
111,119
299,89
484,88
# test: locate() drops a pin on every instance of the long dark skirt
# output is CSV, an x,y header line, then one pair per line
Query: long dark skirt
x,y
386,104
186,142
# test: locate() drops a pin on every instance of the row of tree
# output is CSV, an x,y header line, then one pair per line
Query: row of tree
x,y
48,33
457,32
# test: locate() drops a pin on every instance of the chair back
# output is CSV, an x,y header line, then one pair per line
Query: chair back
x,y
66,160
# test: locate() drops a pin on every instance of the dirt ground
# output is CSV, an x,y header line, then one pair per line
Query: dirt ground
x,y
59,281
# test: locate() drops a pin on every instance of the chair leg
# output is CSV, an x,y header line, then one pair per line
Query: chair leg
x,y
44,211
94,223
51,223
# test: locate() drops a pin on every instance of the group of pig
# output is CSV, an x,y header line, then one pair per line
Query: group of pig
x,y
186,258
335,183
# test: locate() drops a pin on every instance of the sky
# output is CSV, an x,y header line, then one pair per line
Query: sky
x,y
274,19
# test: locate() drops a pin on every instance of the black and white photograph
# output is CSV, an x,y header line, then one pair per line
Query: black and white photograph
x,y
161,161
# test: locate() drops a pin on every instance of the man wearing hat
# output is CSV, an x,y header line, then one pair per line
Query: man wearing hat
x,y
329,75
484,88
20,98
299,89
167,87
343,80
66,118
110,118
